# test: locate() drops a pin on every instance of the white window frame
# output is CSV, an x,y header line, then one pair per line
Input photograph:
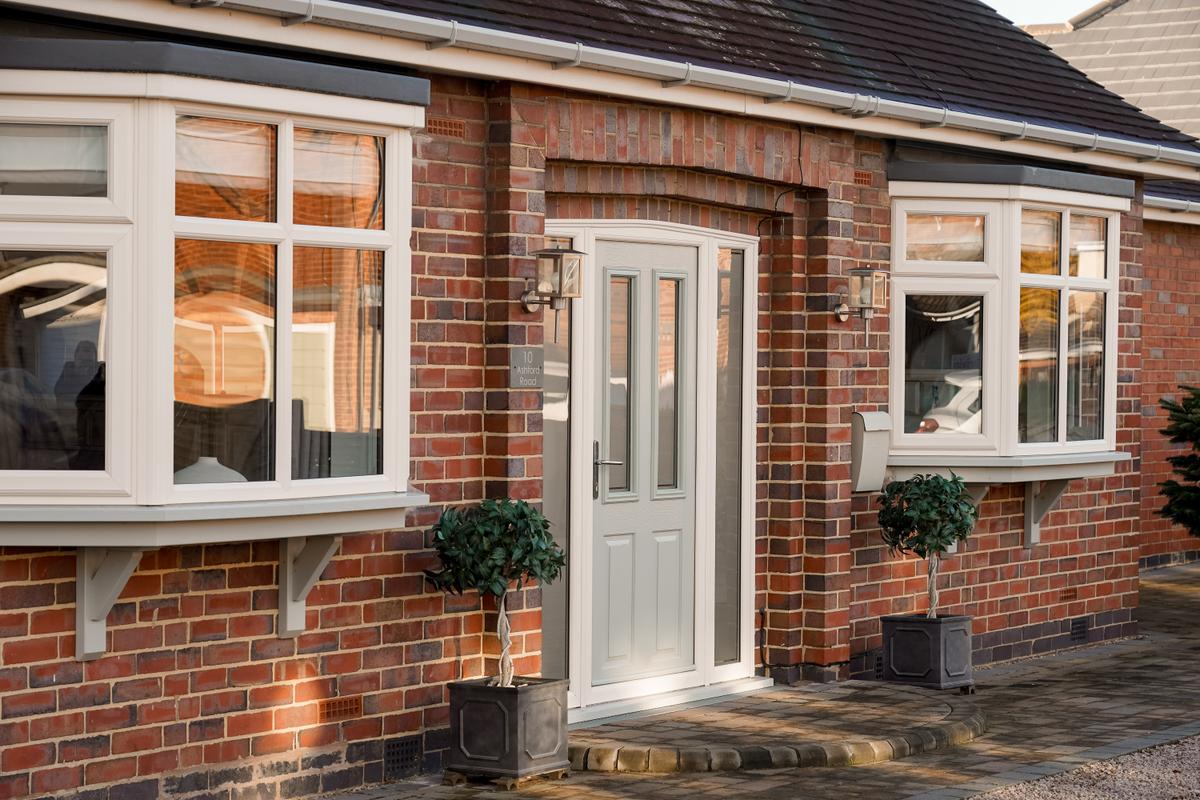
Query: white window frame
x,y
136,225
1000,279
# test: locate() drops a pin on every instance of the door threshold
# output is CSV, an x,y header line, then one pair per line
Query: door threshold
x,y
666,702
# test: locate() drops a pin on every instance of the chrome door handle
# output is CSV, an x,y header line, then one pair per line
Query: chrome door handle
x,y
597,463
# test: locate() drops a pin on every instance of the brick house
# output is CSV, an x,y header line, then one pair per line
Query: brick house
x,y
214,518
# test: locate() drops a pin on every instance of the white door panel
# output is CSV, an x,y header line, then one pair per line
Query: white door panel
x,y
644,528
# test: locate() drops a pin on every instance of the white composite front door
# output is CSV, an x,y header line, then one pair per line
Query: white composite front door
x,y
644,541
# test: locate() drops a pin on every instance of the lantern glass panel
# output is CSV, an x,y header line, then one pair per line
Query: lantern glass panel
x,y
572,275
547,269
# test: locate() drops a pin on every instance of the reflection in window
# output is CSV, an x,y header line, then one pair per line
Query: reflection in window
x,y
1041,234
224,361
1088,246
53,160
52,372
1037,405
338,180
224,169
668,356
944,237
620,332
1085,366
728,496
337,362
943,384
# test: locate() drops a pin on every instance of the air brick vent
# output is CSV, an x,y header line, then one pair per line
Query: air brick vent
x,y
1068,594
401,757
1079,629
336,709
862,177
442,126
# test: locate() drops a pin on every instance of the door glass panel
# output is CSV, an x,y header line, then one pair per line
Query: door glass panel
x,y
1037,403
224,169
337,362
339,179
1088,246
728,499
944,237
224,361
943,377
1041,233
668,393
53,160
556,453
52,375
620,389
1085,366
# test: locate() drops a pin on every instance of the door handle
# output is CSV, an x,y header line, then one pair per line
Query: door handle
x,y
597,463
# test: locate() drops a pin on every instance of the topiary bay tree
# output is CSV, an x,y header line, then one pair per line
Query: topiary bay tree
x,y
926,515
1182,496
487,548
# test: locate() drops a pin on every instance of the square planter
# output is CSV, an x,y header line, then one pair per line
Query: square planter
x,y
935,653
508,732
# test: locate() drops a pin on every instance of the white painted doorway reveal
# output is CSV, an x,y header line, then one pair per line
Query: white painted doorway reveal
x,y
663,366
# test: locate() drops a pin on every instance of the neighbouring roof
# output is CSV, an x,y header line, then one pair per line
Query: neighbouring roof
x,y
1147,51
956,54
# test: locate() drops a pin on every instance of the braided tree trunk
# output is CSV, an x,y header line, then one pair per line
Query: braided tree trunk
x,y
933,589
504,631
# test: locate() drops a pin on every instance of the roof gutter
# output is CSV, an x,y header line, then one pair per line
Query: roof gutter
x,y
1171,204
441,33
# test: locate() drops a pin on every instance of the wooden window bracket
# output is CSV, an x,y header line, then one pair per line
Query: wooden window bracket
x,y
301,562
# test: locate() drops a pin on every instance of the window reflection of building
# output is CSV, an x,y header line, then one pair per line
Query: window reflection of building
x,y
52,383
944,360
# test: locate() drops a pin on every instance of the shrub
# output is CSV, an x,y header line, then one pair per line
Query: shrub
x,y
487,548
926,515
1182,504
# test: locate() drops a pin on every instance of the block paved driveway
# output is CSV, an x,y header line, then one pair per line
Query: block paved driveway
x,y
1046,715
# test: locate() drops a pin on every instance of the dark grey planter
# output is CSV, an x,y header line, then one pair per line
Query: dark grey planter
x,y
935,653
511,732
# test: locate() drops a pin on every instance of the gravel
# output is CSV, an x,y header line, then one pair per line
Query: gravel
x,y
1167,772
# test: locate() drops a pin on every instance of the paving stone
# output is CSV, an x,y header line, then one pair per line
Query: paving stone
x,y
1046,715
664,759
602,759
632,758
783,757
724,758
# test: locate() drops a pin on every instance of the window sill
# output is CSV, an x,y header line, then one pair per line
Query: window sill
x,y
1007,469
150,527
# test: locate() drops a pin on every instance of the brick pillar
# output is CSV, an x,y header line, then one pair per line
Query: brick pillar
x,y
512,418
516,180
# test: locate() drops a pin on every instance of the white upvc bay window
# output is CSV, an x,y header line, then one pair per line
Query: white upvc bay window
x,y
1004,323
204,293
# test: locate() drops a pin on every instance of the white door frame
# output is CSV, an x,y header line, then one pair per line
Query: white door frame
x,y
586,309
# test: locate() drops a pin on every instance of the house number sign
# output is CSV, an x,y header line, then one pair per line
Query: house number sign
x,y
525,368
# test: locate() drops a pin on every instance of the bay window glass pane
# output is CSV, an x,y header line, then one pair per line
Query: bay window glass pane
x,y
339,179
944,237
51,160
1037,404
1041,233
668,372
1085,366
620,367
337,362
224,169
727,501
224,361
1089,248
943,364
52,371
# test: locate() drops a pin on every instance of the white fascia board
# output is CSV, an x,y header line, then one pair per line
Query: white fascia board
x,y
1001,191
1168,209
469,50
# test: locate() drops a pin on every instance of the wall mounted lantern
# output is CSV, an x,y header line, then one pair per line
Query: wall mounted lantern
x,y
866,293
559,279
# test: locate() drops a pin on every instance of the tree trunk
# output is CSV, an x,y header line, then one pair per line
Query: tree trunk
x,y
504,631
933,590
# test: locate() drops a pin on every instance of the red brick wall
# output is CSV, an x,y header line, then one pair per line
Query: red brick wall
x,y
1170,358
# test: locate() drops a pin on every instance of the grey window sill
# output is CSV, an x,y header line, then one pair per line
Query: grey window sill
x,y
1008,469
149,527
